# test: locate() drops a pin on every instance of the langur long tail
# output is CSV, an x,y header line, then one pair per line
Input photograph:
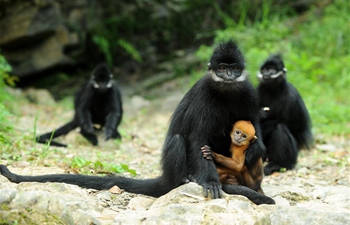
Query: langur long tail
x,y
174,174
252,195
152,187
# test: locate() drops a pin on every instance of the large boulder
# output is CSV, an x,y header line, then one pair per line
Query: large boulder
x,y
36,37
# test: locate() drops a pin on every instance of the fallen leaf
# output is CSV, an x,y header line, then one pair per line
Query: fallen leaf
x,y
115,190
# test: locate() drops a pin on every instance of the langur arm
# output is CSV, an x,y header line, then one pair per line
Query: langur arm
x,y
254,176
257,149
112,121
85,122
225,170
204,172
83,114
114,117
230,163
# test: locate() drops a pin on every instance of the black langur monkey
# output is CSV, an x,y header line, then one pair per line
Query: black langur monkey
x,y
286,127
204,116
97,102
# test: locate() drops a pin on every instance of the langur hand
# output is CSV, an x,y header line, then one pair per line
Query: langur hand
x,y
88,128
210,181
206,151
108,134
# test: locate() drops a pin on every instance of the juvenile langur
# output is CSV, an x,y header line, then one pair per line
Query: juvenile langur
x,y
98,102
204,116
232,170
286,128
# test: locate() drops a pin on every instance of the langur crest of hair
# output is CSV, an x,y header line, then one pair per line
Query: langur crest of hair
x,y
226,52
277,59
101,70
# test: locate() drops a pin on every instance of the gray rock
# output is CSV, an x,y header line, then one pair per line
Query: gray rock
x,y
137,102
339,196
82,217
27,19
69,204
41,202
7,195
35,36
281,201
326,147
189,193
303,216
104,195
140,203
320,192
39,96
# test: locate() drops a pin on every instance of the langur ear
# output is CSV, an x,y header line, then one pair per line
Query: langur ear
x,y
253,139
208,65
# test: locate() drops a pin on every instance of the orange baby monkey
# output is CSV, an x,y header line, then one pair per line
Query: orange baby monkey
x,y
232,170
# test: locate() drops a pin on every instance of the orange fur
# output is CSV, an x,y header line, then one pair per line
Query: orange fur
x,y
232,170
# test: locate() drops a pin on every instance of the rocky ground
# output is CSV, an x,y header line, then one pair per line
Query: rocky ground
x,y
316,192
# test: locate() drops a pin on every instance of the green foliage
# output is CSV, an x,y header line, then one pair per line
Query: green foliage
x,y
105,47
282,170
228,21
99,167
5,68
316,54
6,126
103,44
131,27
129,48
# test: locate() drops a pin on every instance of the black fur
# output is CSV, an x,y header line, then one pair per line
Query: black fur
x,y
204,116
97,102
286,127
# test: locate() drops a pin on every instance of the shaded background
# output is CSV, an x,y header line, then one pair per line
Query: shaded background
x,y
55,44
45,36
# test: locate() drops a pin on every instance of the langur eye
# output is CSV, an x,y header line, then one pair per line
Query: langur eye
x,y
237,132
236,69
272,70
221,68
263,71
244,136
